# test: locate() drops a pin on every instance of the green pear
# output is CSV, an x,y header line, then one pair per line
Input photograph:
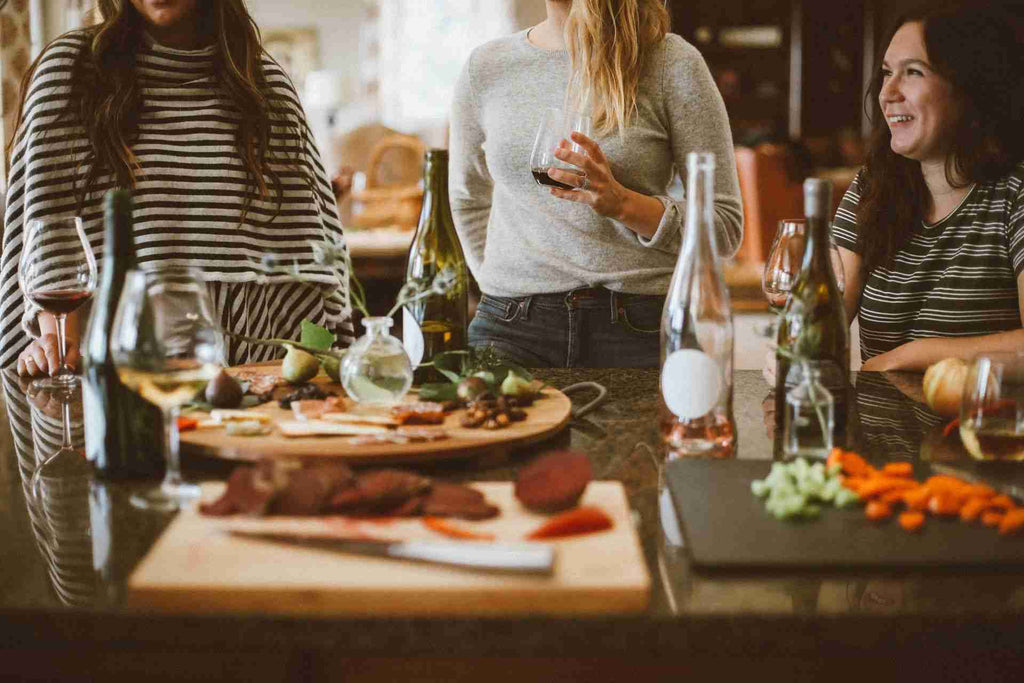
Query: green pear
x,y
299,366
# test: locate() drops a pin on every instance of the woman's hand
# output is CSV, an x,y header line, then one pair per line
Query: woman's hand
x,y
596,186
40,358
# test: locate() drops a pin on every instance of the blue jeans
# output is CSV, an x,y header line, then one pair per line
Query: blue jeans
x,y
584,328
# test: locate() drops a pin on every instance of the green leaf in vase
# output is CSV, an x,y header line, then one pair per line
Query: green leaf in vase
x,y
317,337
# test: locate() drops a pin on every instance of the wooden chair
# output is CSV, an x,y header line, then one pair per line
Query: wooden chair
x,y
393,195
769,195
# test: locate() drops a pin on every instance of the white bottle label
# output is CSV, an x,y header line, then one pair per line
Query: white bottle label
x,y
412,337
691,383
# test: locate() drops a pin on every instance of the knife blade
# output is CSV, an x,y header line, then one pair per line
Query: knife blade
x,y
526,558
1013,490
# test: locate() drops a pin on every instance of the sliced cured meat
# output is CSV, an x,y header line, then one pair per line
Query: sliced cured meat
x,y
554,481
422,412
378,491
249,491
309,488
454,500
259,382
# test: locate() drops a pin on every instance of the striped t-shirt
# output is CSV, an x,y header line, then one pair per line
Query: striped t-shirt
x,y
189,200
955,278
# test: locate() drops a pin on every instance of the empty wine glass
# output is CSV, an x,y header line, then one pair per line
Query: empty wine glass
x,y
166,347
554,132
783,265
57,272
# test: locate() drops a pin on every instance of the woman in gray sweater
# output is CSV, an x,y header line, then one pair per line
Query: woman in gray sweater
x,y
577,278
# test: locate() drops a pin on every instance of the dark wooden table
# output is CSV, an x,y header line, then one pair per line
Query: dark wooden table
x,y
66,556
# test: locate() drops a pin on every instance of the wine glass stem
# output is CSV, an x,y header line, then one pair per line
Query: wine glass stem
x,y
61,344
66,423
173,476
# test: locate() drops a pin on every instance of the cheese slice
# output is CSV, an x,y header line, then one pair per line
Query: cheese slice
x,y
222,416
356,418
295,428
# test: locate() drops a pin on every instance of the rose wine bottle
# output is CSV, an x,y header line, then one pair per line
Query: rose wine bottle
x,y
695,415
121,429
438,322
812,328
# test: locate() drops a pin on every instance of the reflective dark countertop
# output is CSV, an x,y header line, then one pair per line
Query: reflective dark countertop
x,y
66,556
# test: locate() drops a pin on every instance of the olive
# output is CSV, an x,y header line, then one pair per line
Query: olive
x,y
471,388
224,391
299,366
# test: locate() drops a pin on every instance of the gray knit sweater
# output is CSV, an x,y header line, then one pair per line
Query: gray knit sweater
x,y
519,239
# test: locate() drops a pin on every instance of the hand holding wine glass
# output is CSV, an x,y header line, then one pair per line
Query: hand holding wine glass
x,y
57,272
557,127
166,347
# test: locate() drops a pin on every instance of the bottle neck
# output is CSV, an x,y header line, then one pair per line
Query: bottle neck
x,y
699,238
377,326
816,251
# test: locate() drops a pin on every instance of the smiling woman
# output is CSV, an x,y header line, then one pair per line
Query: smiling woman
x,y
931,232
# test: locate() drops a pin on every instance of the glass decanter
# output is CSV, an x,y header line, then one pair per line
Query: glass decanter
x,y
810,417
376,370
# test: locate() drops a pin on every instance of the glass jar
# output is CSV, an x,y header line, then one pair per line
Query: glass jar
x,y
810,416
376,370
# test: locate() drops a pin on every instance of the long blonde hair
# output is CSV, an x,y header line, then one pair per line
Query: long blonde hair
x,y
608,43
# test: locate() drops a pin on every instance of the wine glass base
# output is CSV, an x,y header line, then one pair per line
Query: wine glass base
x,y
58,382
165,498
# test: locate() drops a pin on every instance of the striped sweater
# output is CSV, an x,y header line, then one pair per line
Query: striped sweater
x,y
955,278
189,197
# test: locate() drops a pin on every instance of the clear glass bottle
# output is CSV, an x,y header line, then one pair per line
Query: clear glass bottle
x,y
695,412
376,370
810,416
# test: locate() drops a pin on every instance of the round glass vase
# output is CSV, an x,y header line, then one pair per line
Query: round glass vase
x,y
376,369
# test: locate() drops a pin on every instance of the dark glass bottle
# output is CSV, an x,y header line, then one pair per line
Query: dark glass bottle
x,y
813,324
438,322
122,431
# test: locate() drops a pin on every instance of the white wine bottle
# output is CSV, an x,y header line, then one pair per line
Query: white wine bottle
x,y
695,415
438,322
812,328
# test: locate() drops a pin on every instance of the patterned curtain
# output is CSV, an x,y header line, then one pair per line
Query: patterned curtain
x,y
15,57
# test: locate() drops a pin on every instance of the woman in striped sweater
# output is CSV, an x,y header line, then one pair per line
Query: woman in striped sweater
x,y
176,100
932,230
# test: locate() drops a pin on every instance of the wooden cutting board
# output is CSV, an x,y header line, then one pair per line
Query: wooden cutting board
x,y
725,526
196,567
547,416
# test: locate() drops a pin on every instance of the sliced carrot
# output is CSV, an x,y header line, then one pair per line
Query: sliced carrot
x,y
917,498
879,485
186,424
443,526
982,491
892,497
855,465
898,469
835,457
992,517
876,510
580,520
973,508
944,504
1002,501
911,520
1012,522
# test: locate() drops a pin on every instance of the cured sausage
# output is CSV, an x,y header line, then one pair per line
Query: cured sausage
x,y
554,481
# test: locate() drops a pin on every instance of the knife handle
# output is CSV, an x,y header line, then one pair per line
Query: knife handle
x,y
524,559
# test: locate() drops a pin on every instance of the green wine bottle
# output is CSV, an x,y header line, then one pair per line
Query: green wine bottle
x,y
812,327
120,426
438,322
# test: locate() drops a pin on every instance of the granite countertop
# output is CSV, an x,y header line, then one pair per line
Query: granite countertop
x,y
65,590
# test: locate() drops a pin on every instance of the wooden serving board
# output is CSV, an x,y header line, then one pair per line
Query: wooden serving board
x,y
196,567
545,417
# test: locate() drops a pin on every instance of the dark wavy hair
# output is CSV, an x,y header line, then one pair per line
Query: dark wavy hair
x,y
977,49
106,97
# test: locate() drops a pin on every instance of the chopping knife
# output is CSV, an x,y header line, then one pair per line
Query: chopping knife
x,y
1013,490
519,559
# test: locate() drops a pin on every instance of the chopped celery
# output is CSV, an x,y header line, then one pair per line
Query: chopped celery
x,y
796,489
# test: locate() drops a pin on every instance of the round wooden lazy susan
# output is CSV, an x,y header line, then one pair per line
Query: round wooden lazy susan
x,y
547,416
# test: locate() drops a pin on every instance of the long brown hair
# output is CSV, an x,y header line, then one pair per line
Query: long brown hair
x,y
976,49
608,43
106,97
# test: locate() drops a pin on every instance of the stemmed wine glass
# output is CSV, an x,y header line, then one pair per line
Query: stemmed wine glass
x,y
166,347
57,272
554,132
783,265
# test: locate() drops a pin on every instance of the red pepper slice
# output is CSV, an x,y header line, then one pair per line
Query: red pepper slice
x,y
580,520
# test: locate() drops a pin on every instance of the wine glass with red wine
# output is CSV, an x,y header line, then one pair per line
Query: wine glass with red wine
x,y
554,132
58,274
